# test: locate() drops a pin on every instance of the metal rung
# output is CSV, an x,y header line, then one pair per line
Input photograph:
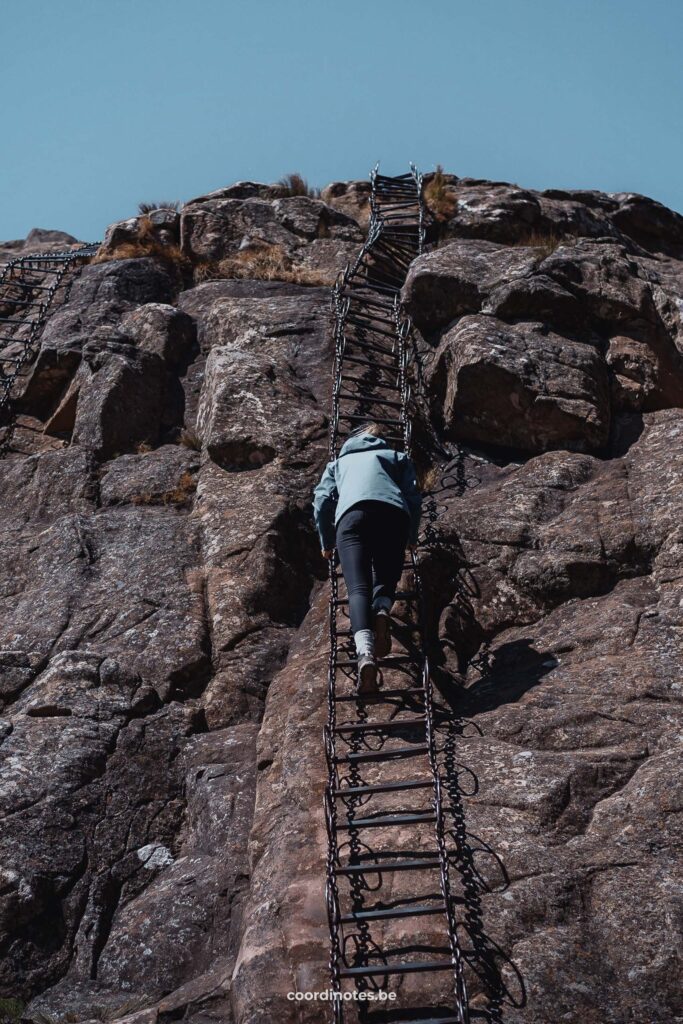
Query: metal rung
x,y
386,318
382,282
367,325
382,267
398,268
51,257
382,755
367,303
353,416
359,333
393,913
370,362
392,439
401,595
400,659
369,346
400,196
389,182
410,200
385,787
377,287
24,284
421,864
381,695
13,340
371,302
415,627
386,261
18,302
374,384
398,254
388,193
387,821
393,723
371,401
400,216
405,247
397,197
397,967
395,177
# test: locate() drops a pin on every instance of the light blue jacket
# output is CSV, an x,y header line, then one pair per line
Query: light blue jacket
x,y
366,469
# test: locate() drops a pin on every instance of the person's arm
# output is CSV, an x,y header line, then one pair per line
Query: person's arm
x,y
325,498
412,494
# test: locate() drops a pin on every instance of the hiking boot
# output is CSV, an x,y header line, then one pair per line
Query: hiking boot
x,y
382,633
367,674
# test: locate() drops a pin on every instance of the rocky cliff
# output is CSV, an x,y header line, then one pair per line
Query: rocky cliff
x,y
163,604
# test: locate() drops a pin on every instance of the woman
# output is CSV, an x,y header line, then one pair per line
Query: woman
x,y
368,506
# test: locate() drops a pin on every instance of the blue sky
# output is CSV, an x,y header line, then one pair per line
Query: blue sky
x,y
114,102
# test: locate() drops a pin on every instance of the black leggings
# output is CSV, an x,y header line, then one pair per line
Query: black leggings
x,y
371,541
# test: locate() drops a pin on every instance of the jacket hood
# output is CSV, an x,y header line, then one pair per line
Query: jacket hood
x,y
362,443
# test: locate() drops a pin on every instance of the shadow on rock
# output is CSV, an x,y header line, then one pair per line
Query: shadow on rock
x,y
507,674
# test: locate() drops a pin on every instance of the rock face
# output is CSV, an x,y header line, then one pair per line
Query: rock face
x,y
163,613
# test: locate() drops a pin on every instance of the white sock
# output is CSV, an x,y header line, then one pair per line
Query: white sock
x,y
365,641
382,602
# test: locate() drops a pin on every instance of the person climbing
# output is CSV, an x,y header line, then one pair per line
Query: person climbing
x,y
368,505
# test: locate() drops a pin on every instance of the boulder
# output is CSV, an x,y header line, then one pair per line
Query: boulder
x,y
115,401
160,226
456,279
161,329
216,228
166,476
351,198
519,386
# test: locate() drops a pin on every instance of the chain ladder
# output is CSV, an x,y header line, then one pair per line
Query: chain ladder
x,y
29,282
368,327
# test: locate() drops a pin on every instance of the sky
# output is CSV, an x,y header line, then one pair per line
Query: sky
x,y
108,103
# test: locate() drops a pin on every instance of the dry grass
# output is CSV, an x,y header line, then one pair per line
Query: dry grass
x,y
147,244
439,196
296,185
546,241
179,495
428,477
265,263
189,438
11,1009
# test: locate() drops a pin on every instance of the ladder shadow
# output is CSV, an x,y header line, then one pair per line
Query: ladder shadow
x,y
504,675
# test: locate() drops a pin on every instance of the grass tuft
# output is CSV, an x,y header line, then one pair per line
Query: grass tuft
x,y
428,477
179,495
296,185
265,263
10,1010
173,204
189,438
546,241
148,244
439,196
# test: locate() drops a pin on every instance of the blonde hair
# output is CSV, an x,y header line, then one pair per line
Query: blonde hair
x,y
370,428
